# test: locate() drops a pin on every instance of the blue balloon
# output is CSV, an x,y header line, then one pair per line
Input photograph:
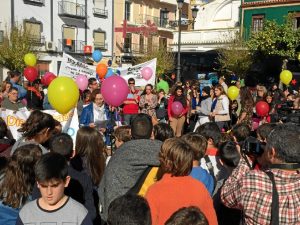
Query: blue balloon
x,y
97,56
109,73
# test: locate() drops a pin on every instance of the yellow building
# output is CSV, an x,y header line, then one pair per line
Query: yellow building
x,y
161,13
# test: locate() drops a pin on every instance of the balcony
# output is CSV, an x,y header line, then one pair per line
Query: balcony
x,y
161,23
37,40
76,46
100,12
71,9
137,49
35,2
171,2
100,46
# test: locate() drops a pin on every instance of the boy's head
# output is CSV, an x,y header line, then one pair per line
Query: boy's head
x,y
162,131
264,130
187,215
122,135
141,127
129,210
211,132
51,172
240,132
198,144
229,154
63,144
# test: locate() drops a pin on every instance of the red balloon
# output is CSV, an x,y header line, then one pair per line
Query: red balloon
x,y
30,73
101,70
48,78
262,108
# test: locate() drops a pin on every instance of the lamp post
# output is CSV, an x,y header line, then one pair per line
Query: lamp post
x,y
180,4
194,15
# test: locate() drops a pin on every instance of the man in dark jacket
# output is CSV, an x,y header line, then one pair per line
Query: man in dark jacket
x,y
129,162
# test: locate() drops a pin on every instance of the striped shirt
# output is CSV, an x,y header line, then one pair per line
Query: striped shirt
x,y
251,191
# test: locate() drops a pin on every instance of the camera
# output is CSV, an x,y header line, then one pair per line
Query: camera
x,y
253,147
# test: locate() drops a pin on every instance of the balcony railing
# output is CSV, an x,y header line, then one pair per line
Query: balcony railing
x,y
35,2
163,23
140,49
100,45
37,40
71,9
100,12
76,46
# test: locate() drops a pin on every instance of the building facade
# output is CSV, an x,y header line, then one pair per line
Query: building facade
x,y
216,24
58,26
254,13
137,13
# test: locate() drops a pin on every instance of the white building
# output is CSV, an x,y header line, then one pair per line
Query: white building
x,y
62,26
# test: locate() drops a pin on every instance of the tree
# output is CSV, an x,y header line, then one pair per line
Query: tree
x,y
16,43
235,57
276,39
165,59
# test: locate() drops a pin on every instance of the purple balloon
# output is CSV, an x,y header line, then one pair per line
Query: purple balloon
x,y
146,73
177,108
82,82
114,90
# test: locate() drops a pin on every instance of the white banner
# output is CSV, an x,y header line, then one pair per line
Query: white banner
x,y
14,120
135,72
71,67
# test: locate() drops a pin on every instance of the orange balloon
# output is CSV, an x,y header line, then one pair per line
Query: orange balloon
x,y
101,70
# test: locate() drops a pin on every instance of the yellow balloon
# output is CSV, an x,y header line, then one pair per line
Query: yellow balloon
x,y
233,92
63,94
30,59
286,76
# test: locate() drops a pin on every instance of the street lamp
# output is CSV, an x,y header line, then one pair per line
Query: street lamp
x,y
179,4
194,15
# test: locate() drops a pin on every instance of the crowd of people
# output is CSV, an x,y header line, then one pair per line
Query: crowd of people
x,y
217,162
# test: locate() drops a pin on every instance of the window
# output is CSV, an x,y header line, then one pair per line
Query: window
x,y
163,43
34,28
69,39
1,36
142,50
296,21
99,40
257,22
164,14
149,44
99,9
127,43
127,10
100,4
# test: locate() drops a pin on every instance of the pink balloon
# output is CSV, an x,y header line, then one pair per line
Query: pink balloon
x,y
48,78
114,90
177,108
82,82
146,73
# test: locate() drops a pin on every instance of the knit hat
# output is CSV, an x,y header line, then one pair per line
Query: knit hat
x,y
206,89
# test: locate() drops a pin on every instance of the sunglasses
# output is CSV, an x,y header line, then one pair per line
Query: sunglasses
x,y
131,83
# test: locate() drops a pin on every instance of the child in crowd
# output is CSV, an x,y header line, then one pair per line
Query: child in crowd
x,y
162,106
162,132
264,130
199,144
54,207
187,215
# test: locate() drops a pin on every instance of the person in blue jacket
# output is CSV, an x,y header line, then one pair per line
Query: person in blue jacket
x,y
97,115
14,79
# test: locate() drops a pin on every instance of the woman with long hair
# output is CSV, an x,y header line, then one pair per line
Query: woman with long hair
x,y
148,101
177,121
220,107
247,104
17,182
37,129
89,155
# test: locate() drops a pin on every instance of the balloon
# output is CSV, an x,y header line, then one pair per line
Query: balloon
x,y
286,76
262,108
109,63
114,90
30,59
48,78
101,70
177,108
97,56
109,73
233,92
30,73
63,94
82,82
146,73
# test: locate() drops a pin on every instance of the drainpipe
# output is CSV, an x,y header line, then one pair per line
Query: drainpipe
x,y
112,29
86,21
12,12
51,20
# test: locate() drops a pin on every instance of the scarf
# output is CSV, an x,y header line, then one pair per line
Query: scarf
x,y
36,92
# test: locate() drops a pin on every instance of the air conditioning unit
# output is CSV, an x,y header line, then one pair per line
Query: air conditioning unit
x,y
50,46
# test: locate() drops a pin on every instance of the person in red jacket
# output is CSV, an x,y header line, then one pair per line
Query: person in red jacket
x,y
177,189
131,104
177,122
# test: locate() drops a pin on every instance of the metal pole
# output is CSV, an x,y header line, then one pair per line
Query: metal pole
x,y
178,78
